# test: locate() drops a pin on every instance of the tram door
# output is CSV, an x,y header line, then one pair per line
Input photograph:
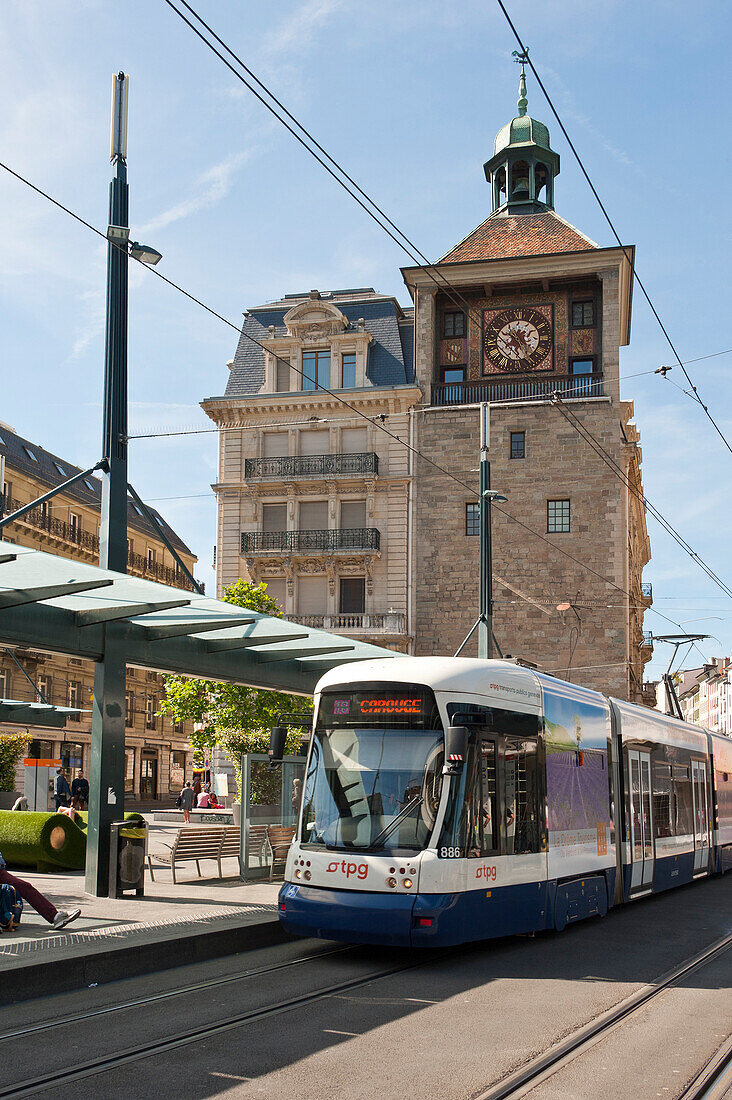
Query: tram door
x,y
700,795
641,820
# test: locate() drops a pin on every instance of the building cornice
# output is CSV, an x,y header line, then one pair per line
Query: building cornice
x,y
233,410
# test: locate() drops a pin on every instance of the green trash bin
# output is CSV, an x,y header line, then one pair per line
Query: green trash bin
x,y
127,855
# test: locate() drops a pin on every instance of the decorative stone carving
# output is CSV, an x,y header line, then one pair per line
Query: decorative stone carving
x,y
289,577
330,572
312,566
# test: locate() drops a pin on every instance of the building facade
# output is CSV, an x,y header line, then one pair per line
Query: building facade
x,y
705,695
157,751
527,314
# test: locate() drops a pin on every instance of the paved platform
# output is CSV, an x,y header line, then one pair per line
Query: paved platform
x,y
172,925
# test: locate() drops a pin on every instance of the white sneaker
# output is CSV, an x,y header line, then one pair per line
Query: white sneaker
x,y
63,918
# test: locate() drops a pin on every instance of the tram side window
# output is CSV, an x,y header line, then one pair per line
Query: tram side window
x,y
684,803
521,796
663,802
480,813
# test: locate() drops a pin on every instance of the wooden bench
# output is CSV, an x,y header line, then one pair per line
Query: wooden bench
x,y
280,839
192,844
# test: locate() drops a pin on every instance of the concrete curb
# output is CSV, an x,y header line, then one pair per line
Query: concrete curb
x,y
32,978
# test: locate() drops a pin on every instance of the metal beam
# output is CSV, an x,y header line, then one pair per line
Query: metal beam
x,y
20,512
7,557
152,521
290,654
220,645
16,597
125,611
178,630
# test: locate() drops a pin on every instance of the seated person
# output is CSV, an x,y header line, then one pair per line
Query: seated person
x,y
72,810
204,800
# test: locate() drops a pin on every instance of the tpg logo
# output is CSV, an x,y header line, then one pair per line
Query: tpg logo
x,y
348,869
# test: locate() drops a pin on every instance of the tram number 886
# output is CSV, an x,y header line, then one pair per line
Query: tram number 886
x,y
451,853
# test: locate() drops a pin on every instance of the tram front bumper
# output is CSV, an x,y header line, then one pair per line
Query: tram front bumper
x,y
356,916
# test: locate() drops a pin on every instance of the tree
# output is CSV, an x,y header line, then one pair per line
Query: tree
x,y
235,717
13,746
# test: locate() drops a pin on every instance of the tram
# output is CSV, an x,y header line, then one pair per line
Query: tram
x,y
452,799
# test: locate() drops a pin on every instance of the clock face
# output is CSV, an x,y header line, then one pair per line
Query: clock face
x,y
517,340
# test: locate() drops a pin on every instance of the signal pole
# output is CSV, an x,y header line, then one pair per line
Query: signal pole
x,y
107,771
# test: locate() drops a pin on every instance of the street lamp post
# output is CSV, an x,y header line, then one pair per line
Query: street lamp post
x,y
107,770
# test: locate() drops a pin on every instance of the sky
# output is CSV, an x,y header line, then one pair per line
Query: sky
x,y
408,96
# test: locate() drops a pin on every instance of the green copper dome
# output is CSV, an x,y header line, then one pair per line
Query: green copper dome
x,y
523,130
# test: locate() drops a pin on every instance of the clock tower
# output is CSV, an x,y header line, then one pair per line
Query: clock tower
x,y
528,315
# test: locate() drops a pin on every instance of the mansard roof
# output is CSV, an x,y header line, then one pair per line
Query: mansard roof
x,y
50,470
390,359
504,236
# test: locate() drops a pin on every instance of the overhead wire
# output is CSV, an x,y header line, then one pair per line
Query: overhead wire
x,y
381,427
608,219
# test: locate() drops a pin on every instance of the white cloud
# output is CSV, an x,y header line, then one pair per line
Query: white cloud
x,y
92,324
210,188
296,32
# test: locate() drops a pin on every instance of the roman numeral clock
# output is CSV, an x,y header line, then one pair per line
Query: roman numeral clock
x,y
518,340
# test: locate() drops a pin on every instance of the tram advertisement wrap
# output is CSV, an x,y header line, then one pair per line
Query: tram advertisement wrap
x,y
577,777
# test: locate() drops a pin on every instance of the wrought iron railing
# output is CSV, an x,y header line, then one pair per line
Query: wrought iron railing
x,y
293,542
646,590
290,466
519,388
391,622
86,540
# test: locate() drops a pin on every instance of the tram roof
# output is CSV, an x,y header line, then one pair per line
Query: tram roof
x,y
63,606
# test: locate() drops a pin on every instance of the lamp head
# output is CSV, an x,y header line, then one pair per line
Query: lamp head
x,y
145,252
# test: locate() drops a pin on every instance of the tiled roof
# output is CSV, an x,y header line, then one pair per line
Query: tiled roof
x,y
504,236
50,470
389,356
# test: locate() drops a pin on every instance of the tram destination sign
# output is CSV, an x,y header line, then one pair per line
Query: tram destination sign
x,y
402,705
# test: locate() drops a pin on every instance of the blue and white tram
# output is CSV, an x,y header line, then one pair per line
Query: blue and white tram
x,y
451,799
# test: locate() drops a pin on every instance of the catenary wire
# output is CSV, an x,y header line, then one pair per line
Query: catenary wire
x,y
641,284
409,246
581,428
191,297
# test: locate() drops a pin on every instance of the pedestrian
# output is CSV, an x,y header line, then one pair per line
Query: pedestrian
x,y
186,802
80,789
57,918
197,788
61,790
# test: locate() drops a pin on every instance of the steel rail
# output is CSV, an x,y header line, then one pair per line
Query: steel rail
x,y
194,1035
714,1081
547,1064
178,991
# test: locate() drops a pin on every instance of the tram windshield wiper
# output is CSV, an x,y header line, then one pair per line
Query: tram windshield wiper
x,y
389,829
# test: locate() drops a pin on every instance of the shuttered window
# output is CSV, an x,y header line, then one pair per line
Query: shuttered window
x,y
274,517
353,513
276,588
315,443
314,515
312,595
274,444
353,441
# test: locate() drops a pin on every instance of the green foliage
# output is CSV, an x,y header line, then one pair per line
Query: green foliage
x,y
12,748
236,718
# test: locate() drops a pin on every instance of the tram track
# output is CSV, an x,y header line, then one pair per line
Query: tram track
x,y
106,1063
714,1082
528,1077
169,994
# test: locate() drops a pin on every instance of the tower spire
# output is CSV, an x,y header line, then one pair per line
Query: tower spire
x,y
521,59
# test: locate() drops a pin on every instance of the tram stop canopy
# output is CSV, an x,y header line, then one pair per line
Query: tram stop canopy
x,y
63,606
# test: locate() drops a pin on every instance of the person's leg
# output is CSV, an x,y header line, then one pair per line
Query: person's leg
x,y
35,899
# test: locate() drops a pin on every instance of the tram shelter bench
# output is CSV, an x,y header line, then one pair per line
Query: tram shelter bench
x,y
195,844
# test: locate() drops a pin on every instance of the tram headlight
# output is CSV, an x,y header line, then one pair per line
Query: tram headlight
x,y
407,883
298,873
391,882
306,874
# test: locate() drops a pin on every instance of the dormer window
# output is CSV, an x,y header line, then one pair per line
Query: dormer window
x,y
315,370
30,454
282,376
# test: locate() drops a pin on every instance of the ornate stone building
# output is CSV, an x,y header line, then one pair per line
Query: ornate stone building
x,y
350,529
157,752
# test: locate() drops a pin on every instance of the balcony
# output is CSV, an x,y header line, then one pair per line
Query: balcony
x,y
88,542
474,391
349,539
296,466
365,622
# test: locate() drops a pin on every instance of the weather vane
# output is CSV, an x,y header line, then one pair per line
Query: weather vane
x,y
521,57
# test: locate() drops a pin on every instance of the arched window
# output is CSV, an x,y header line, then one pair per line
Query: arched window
x,y
520,180
500,185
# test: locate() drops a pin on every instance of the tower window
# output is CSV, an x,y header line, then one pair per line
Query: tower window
x,y
582,366
472,519
583,314
453,374
518,444
315,370
454,323
520,180
557,516
540,178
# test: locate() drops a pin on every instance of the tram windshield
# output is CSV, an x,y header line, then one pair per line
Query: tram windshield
x,y
375,771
